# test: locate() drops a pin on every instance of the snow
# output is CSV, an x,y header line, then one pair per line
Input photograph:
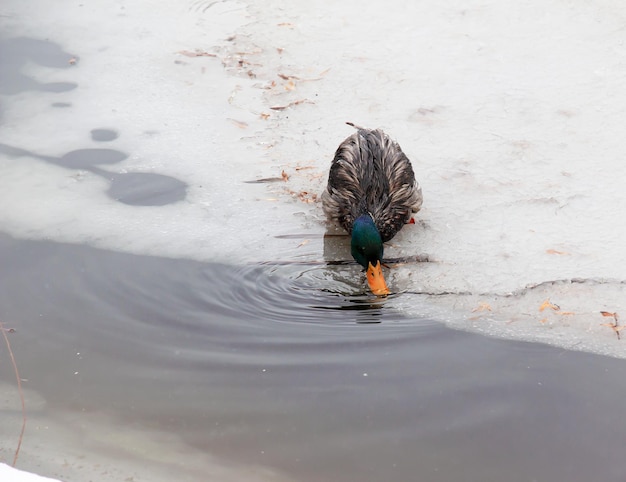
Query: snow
x,y
10,474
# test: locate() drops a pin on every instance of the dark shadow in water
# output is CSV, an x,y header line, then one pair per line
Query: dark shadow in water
x,y
104,135
133,188
248,363
17,52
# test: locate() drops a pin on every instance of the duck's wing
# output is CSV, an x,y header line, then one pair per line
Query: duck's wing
x,y
344,198
396,194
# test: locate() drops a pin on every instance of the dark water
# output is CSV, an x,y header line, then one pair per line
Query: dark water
x,y
261,364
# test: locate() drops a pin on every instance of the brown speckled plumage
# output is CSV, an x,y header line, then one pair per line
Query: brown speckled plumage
x,y
371,174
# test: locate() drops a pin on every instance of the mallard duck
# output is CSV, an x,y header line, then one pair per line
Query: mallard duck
x,y
371,193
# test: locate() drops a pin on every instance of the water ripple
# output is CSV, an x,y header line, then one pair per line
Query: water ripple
x,y
303,294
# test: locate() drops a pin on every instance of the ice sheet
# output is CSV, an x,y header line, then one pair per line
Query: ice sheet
x,y
510,112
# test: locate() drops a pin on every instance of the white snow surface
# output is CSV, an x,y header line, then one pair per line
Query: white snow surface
x,y
510,111
10,474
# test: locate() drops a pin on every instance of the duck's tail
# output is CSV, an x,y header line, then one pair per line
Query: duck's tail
x,y
356,126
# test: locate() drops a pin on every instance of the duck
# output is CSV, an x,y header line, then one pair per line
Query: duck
x,y
371,193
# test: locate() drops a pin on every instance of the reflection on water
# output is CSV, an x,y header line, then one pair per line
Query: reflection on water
x,y
295,368
300,293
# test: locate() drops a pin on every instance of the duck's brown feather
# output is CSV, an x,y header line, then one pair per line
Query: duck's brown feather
x,y
371,174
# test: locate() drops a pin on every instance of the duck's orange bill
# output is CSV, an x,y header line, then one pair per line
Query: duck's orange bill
x,y
376,279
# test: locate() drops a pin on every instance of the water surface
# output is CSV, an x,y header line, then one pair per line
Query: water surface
x,y
284,366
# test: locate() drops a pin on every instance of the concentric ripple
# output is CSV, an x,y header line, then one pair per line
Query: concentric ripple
x,y
300,293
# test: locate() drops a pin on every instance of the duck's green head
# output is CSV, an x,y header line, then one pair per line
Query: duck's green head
x,y
367,250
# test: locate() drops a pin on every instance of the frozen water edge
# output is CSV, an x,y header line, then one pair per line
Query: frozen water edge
x,y
512,120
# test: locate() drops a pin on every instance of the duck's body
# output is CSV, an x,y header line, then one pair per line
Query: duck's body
x,y
371,193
